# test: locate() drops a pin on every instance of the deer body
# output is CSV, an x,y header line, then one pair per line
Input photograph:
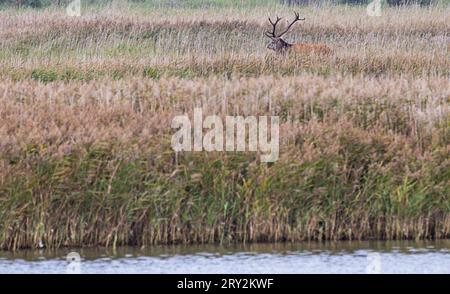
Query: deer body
x,y
281,46
310,48
299,48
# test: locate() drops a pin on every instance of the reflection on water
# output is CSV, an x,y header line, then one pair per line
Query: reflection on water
x,y
339,257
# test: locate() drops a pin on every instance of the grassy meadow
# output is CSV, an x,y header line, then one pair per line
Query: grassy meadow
x,y
86,105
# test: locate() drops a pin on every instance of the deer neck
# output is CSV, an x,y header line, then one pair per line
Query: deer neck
x,y
285,45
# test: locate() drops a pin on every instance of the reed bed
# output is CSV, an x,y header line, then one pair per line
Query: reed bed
x,y
49,46
91,163
87,104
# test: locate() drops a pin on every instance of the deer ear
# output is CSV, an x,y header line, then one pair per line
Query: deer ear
x,y
267,34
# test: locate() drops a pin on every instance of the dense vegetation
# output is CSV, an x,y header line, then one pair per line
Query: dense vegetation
x,y
86,105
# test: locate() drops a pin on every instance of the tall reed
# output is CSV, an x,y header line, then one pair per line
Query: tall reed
x,y
87,104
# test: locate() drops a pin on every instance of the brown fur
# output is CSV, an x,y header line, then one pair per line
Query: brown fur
x,y
281,46
321,49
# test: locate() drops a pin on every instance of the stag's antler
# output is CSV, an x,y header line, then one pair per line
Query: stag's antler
x,y
297,18
274,27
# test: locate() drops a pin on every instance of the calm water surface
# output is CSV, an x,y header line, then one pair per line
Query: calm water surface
x,y
341,257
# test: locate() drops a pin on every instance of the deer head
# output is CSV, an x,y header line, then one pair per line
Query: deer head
x,y
278,44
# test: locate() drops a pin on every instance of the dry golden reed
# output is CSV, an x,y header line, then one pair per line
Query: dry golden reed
x,y
86,106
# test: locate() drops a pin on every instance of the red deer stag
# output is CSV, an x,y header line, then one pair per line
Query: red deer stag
x,y
281,46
